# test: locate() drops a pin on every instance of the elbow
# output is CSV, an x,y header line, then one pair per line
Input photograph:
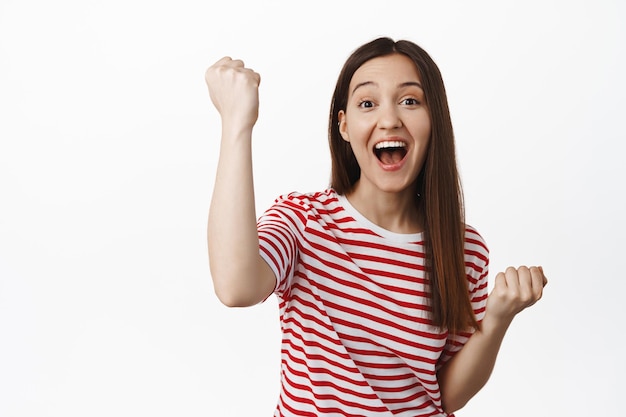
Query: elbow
x,y
452,406
232,299
452,397
229,302
241,285
232,293
227,293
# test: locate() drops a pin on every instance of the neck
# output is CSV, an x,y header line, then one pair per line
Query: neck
x,y
393,211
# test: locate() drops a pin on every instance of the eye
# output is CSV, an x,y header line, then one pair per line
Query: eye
x,y
410,101
366,104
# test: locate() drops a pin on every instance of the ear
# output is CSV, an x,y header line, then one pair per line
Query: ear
x,y
343,125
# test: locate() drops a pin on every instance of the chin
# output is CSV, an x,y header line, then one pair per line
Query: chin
x,y
396,188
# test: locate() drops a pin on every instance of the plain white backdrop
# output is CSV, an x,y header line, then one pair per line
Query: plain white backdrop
x,y
108,149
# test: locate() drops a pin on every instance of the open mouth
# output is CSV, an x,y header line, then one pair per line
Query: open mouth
x,y
390,152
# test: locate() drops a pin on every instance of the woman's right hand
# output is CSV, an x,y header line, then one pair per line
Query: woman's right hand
x,y
234,91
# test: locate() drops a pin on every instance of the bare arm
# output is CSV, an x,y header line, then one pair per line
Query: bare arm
x,y
240,276
468,371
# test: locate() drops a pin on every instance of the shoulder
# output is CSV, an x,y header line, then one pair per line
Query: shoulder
x,y
309,201
476,249
301,208
474,240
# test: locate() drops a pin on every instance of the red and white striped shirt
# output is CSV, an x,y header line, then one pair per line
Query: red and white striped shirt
x,y
353,299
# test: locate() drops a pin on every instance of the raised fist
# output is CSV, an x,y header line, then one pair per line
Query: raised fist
x,y
234,91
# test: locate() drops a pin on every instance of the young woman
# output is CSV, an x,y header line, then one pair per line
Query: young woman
x,y
382,287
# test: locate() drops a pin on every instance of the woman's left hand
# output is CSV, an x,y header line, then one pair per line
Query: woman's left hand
x,y
514,290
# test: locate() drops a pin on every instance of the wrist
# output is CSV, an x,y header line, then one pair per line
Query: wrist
x,y
232,123
495,325
236,133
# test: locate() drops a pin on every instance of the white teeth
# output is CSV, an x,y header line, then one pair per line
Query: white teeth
x,y
390,144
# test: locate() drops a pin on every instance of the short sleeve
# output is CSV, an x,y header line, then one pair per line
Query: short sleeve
x,y
280,229
477,270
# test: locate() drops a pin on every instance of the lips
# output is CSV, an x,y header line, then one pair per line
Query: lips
x,y
390,152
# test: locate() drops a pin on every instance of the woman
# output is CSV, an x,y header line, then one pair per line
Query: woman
x,y
382,288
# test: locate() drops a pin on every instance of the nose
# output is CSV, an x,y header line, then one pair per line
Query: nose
x,y
389,118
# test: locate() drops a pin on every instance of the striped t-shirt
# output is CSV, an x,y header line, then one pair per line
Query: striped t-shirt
x,y
353,299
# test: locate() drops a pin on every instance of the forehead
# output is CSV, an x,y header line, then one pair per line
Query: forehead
x,y
395,68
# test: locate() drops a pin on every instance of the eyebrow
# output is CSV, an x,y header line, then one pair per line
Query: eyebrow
x,y
401,85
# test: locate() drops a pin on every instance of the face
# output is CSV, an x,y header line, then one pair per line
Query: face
x,y
387,123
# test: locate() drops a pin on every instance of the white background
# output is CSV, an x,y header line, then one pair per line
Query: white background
x,y
108,148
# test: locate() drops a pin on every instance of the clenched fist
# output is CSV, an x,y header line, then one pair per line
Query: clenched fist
x,y
514,290
234,91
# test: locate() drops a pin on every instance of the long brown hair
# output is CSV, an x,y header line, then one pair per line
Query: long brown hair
x,y
438,183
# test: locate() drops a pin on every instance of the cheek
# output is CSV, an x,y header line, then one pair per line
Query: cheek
x,y
360,128
422,129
